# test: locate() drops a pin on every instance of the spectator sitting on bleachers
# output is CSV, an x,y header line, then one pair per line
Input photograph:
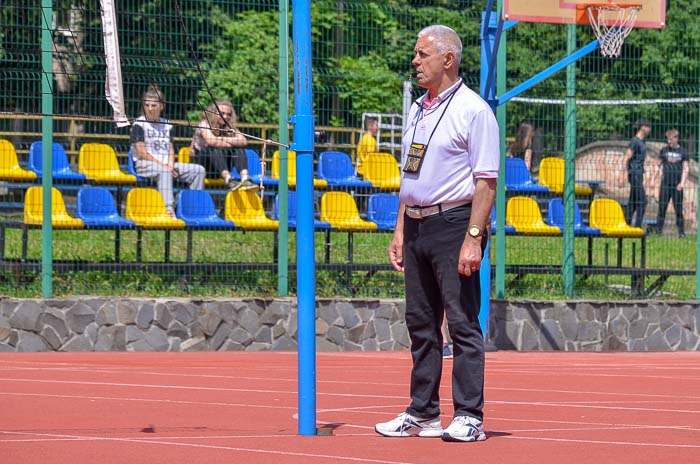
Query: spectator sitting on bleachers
x,y
368,142
217,145
153,152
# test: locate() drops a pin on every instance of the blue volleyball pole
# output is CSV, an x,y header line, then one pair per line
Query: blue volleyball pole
x,y
306,279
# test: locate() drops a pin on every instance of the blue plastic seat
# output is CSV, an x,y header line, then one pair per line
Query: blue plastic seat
x,y
131,169
292,212
255,170
518,178
97,208
382,209
196,208
508,229
61,170
555,217
336,168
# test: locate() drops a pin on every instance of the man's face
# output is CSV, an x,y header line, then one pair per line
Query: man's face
x,y
152,109
646,130
429,63
672,140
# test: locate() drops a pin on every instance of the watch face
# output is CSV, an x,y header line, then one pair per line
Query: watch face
x,y
475,231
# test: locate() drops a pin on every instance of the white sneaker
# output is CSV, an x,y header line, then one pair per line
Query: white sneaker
x,y
406,425
464,428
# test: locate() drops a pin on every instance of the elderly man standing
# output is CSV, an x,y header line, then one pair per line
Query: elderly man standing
x,y
450,166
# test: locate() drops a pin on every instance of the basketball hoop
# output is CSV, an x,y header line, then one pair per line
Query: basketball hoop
x,y
612,23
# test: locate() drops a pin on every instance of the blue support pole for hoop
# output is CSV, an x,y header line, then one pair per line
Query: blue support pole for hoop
x,y
306,279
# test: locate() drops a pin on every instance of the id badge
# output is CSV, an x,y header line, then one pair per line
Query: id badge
x,y
414,158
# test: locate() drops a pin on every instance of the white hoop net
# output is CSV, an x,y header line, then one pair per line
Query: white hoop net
x,y
611,24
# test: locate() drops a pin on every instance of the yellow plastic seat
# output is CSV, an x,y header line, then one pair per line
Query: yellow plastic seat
x,y
524,214
340,210
245,209
34,209
98,161
183,156
552,177
292,170
9,164
145,206
382,171
606,214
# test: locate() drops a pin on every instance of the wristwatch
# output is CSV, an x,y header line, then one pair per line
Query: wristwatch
x,y
475,231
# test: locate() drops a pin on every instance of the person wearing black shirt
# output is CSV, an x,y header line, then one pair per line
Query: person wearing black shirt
x,y
673,161
633,165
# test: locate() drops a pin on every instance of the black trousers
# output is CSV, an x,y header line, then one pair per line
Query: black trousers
x,y
433,288
216,160
638,200
668,192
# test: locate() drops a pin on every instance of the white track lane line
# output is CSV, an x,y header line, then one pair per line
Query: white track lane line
x,y
216,447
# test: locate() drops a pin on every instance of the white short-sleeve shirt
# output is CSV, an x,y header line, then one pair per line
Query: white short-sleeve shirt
x,y
465,145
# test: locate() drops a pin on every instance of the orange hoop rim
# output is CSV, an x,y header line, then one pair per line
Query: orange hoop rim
x,y
582,14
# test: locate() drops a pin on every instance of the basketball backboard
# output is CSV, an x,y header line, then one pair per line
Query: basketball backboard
x,y
651,15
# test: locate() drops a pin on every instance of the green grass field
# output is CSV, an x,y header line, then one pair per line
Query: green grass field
x,y
257,247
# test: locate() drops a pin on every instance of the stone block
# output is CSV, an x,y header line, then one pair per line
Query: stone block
x,y
78,343
51,337
383,330
174,344
29,342
263,335
673,336
249,320
157,338
209,321
178,329
349,315
240,336
220,336
26,316
273,313
285,344
230,345
163,317
5,348
399,333
139,345
386,345
589,331
183,313
257,347
144,316
134,333
126,312
370,332
279,329
321,327
328,313
529,337
5,328
349,346
386,310
91,331
107,314
613,343
568,323
7,306
336,335
194,344
293,323
79,317
638,328
656,342
54,319
354,335
111,338
551,336
620,327
322,344
370,344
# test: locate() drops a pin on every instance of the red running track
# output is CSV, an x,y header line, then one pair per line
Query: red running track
x,y
109,408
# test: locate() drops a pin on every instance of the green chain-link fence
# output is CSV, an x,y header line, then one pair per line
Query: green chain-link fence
x,y
361,59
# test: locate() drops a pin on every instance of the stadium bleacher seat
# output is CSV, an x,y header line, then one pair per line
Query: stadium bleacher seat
x,y
606,214
196,208
10,168
555,217
99,163
145,206
97,209
382,171
340,210
382,209
245,209
336,168
34,209
292,212
552,176
61,170
518,178
524,214
292,170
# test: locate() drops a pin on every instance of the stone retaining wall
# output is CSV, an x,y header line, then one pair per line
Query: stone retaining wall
x,y
171,324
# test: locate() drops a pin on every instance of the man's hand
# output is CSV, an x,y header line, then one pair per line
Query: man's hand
x,y
470,256
396,251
